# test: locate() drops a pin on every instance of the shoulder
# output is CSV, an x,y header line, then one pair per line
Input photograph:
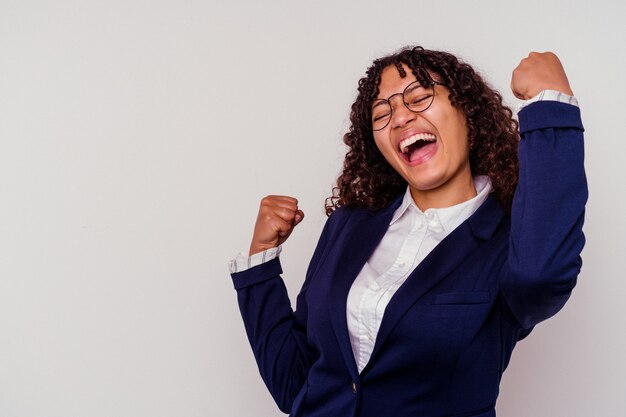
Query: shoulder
x,y
346,212
340,216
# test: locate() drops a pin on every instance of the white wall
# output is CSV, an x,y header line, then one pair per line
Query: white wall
x,y
137,137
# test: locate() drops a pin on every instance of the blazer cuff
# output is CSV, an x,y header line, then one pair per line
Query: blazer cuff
x,y
549,114
257,274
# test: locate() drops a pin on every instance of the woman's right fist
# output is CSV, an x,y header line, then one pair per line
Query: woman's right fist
x,y
278,215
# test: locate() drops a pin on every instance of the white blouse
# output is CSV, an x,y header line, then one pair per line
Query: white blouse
x,y
412,234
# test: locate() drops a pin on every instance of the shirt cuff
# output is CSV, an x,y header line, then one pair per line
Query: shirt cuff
x,y
242,261
550,95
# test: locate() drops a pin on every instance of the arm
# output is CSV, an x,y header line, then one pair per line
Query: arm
x,y
548,210
276,333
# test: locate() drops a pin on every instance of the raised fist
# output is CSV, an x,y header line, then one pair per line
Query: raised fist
x,y
540,71
277,217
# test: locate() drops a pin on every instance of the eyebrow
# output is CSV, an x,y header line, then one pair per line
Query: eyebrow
x,y
418,85
379,102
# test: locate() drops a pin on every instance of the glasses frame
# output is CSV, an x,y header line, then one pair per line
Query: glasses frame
x,y
388,100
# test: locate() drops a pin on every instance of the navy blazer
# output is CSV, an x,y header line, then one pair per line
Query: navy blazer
x,y
448,332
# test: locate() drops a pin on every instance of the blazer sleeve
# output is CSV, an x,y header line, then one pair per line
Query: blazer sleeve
x,y
547,214
276,333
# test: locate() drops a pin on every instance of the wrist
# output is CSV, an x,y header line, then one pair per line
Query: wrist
x,y
257,248
565,89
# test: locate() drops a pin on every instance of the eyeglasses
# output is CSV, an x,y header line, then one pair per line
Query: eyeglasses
x,y
415,97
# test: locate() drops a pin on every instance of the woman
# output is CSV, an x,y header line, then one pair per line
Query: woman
x,y
441,250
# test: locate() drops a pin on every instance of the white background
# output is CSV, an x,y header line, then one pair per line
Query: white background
x,y
137,138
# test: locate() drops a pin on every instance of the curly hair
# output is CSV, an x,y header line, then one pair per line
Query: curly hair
x,y
369,181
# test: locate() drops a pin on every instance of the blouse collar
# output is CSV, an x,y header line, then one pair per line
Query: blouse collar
x,y
448,217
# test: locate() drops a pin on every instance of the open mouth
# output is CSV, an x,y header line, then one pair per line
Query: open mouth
x,y
417,146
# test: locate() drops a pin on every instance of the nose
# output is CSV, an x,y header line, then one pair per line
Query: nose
x,y
401,115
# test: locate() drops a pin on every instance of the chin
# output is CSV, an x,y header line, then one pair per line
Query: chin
x,y
425,181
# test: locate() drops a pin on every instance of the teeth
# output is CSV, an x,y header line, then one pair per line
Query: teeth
x,y
404,145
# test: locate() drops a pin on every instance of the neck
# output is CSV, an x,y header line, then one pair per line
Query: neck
x,y
444,196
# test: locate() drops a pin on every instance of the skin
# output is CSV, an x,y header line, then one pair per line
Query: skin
x,y
278,215
443,177
538,72
435,182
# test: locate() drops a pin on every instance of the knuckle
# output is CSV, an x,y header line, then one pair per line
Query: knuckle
x,y
287,214
268,200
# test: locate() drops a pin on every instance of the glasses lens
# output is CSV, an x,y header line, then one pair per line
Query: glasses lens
x,y
417,97
381,113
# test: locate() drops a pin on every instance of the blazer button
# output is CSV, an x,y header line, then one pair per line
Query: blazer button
x,y
354,387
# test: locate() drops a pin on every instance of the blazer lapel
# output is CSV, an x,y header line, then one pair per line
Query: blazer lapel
x,y
443,259
357,243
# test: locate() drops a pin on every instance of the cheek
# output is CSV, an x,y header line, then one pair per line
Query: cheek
x,y
457,135
463,139
383,145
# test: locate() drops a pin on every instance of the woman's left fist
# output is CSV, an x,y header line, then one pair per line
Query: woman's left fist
x,y
540,71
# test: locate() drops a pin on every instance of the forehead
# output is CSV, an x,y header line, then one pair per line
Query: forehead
x,y
392,83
